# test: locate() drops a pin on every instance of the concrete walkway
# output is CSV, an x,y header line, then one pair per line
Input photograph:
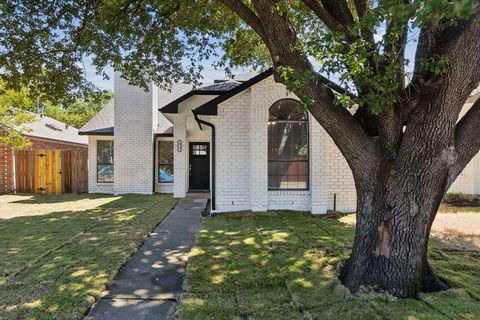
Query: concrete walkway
x,y
148,286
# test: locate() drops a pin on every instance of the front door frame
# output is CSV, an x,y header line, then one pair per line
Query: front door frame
x,y
191,186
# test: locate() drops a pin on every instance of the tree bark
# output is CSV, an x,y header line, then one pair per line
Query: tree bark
x,y
402,160
392,230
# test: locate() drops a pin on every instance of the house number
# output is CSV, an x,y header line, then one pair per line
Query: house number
x,y
179,145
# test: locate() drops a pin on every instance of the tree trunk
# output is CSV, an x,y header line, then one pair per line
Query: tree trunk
x,y
392,230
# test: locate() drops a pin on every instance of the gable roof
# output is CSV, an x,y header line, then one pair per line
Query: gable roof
x,y
101,124
210,108
214,89
164,133
48,128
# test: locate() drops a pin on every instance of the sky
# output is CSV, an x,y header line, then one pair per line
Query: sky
x,y
210,73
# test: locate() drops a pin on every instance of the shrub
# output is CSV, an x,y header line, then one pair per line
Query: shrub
x,y
456,198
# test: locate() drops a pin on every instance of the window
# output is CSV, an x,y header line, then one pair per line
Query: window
x,y
105,161
199,149
165,162
287,146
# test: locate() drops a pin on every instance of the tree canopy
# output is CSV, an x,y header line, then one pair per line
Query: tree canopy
x,y
14,118
404,142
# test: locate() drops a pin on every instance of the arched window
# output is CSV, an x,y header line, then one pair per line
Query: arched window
x,y
287,146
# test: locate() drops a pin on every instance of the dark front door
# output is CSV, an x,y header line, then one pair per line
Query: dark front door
x,y
199,166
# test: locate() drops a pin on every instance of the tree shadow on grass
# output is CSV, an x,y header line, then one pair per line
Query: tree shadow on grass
x,y
41,199
55,266
283,266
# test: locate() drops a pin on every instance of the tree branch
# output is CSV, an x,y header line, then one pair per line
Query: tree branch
x,y
325,16
340,11
361,6
459,44
247,15
359,149
442,38
467,142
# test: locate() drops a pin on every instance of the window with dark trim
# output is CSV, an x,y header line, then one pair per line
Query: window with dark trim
x,y
165,162
104,161
288,153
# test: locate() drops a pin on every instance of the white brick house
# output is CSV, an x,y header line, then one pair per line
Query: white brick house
x,y
246,142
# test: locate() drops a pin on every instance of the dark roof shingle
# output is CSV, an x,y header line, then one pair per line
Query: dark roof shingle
x,y
101,123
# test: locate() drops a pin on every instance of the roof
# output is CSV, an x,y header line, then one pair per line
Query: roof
x,y
210,108
176,90
242,77
219,86
101,124
214,89
48,128
165,133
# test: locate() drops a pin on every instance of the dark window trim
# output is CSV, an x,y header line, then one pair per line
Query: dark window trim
x,y
307,188
165,164
104,164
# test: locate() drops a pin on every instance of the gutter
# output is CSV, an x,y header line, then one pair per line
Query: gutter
x,y
208,124
154,164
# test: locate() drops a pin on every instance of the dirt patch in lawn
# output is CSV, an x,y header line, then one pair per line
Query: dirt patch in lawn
x,y
457,230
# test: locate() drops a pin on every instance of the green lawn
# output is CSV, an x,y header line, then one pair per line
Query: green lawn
x,y
282,266
58,253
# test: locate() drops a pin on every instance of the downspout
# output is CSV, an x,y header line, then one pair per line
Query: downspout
x,y
208,124
154,187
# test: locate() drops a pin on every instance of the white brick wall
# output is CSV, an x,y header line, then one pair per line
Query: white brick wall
x,y
233,165
469,180
180,159
186,130
242,159
136,118
241,164
93,185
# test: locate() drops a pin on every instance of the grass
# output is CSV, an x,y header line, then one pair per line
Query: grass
x,y
59,253
282,265
451,208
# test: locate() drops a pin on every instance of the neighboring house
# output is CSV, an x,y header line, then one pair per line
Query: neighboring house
x,y
245,141
468,181
45,134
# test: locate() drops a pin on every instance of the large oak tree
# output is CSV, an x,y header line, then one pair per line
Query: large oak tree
x,y
404,143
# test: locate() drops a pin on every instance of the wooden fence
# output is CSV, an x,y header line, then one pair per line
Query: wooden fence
x,y
51,171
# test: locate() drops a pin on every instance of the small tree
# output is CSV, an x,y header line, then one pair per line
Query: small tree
x,y
403,143
12,117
